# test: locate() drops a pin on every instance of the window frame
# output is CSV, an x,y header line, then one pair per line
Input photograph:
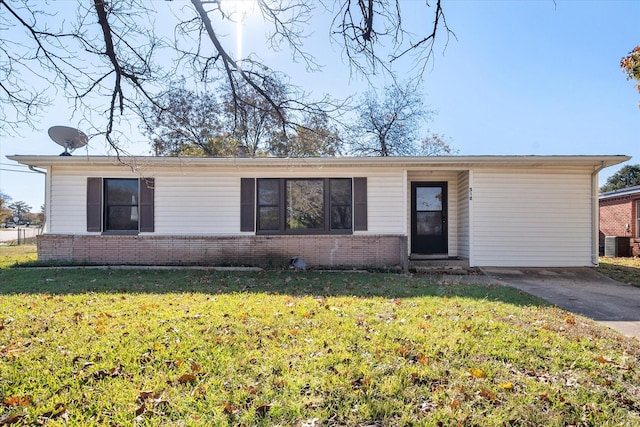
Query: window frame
x,y
637,233
106,207
282,208
96,206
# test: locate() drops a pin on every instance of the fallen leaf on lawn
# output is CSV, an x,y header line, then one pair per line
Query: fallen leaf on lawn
x,y
141,409
187,378
405,349
477,373
506,386
424,326
262,410
487,394
145,395
195,367
312,422
570,320
16,401
428,406
200,391
5,420
58,411
360,382
149,401
228,408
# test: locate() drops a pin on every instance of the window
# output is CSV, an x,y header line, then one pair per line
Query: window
x,y
637,218
304,206
269,204
120,205
304,209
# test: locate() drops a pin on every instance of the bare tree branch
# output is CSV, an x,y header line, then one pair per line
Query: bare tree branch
x,y
109,58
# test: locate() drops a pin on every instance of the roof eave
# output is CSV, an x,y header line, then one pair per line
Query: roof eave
x,y
406,162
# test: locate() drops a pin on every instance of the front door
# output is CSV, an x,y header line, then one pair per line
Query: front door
x,y
429,218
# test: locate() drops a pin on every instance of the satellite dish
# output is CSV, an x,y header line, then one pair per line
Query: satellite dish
x,y
67,137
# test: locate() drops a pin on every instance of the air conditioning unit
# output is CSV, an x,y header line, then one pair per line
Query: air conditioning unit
x,y
617,246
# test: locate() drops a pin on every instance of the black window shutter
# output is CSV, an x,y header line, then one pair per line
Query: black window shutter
x,y
147,186
94,204
247,204
359,204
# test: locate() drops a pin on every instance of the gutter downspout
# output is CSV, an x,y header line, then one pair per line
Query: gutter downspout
x,y
33,168
595,216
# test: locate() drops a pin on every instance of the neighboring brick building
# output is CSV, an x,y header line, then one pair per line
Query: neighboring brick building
x,y
620,216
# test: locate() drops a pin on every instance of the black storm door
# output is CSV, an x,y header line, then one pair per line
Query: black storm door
x,y
429,218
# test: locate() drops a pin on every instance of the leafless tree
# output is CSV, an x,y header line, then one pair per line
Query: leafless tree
x,y
187,123
111,57
389,124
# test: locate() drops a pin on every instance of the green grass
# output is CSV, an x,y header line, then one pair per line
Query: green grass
x,y
625,270
200,348
12,254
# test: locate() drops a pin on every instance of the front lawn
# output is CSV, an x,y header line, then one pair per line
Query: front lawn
x,y
12,254
625,270
201,348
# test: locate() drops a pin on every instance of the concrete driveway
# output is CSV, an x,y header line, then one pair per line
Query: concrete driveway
x,y
579,290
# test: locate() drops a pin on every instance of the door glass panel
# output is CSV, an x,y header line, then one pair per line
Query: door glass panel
x,y
429,223
428,199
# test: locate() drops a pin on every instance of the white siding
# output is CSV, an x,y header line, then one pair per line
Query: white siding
x,y
68,203
463,214
201,204
199,201
532,219
386,203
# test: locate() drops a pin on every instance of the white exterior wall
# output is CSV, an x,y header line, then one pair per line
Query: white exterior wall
x,y
197,204
463,214
67,201
386,201
532,219
202,201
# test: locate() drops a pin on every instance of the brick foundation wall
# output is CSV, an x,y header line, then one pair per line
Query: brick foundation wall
x,y
615,214
265,251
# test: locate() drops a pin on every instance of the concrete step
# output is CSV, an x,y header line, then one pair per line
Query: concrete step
x,y
439,266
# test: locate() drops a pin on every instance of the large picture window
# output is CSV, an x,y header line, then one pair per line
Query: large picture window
x,y
304,206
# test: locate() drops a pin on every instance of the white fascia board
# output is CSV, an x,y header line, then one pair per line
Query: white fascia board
x,y
408,163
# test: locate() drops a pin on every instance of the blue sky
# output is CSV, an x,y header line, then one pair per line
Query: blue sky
x,y
520,77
